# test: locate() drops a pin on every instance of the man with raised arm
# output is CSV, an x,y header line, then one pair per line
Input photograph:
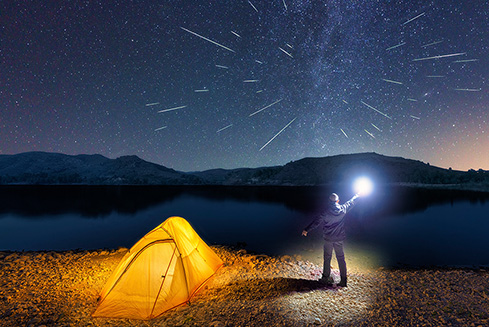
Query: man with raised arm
x,y
333,223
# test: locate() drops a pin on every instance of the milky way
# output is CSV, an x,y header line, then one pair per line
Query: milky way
x,y
195,85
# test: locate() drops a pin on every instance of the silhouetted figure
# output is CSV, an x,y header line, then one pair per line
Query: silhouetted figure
x,y
333,221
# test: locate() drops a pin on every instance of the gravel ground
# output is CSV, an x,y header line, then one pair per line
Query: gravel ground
x,y
61,288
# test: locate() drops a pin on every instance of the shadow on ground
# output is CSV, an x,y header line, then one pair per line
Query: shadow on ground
x,y
261,289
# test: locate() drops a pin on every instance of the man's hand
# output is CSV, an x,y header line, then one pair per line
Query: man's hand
x,y
304,233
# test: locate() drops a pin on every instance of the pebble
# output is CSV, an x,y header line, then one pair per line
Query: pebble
x,y
250,290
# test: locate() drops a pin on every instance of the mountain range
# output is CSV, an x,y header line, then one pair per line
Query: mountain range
x,y
55,168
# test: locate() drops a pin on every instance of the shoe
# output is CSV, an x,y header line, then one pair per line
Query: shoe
x,y
328,281
342,283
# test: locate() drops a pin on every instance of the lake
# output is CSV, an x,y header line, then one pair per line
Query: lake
x,y
394,226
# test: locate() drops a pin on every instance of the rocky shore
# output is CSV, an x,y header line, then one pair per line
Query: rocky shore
x,y
61,289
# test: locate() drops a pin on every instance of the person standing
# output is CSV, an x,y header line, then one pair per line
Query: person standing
x,y
333,221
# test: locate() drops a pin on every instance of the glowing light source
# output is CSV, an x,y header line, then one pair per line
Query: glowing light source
x,y
363,186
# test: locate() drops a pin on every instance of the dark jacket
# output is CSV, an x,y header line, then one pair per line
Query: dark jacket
x,y
333,220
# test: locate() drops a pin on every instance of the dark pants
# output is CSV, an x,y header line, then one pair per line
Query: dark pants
x,y
340,256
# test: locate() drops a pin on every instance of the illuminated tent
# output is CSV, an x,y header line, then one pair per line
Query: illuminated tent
x,y
161,271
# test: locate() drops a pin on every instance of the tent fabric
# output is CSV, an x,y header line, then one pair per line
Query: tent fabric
x,y
162,270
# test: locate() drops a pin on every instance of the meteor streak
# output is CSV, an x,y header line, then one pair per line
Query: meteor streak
x,y
468,90
171,109
209,40
252,5
434,76
221,66
410,20
277,134
265,108
369,133
342,131
430,44
376,127
158,129
396,46
258,61
391,81
201,90
413,100
414,117
288,54
375,110
235,33
344,101
250,81
152,104
259,91
289,45
285,5
220,130
441,56
466,60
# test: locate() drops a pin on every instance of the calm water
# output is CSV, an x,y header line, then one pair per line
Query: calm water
x,y
402,226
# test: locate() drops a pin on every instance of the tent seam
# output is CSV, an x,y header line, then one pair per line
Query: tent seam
x,y
164,279
129,264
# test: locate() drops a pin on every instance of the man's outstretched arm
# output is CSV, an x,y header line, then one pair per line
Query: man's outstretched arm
x,y
313,225
345,207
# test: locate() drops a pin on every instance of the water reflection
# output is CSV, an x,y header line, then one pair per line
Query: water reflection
x,y
404,226
100,201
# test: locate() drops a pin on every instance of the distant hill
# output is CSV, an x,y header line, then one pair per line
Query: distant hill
x,y
344,168
54,168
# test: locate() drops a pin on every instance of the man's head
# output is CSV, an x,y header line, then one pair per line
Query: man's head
x,y
334,197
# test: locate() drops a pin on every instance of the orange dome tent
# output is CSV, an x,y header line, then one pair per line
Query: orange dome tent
x,y
161,271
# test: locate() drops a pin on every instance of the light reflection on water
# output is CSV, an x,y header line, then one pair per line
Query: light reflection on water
x,y
393,228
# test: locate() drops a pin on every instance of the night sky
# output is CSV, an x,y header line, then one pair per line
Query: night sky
x,y
249,83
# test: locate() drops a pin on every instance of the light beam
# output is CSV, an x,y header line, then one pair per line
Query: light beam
x,y
363,186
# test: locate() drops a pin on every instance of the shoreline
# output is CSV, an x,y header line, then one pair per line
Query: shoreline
x,y
60,288
481,187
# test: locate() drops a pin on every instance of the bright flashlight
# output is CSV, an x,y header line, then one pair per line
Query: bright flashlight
x,y
363,186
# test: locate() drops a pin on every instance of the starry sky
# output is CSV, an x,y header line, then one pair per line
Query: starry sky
x,y
195,85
